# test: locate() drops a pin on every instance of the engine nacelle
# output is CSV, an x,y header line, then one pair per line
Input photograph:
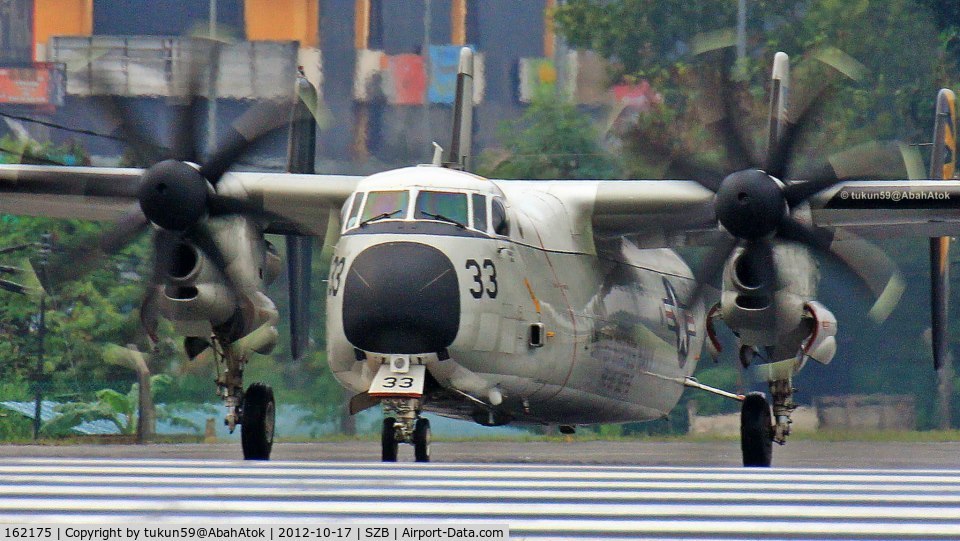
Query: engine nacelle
x,y
198,297
821,345
766,308
195,297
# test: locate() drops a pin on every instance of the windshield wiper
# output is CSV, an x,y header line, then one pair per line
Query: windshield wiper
x,y
379,217
443,218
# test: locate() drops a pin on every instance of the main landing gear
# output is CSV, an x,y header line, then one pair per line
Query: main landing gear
x,y
757,432
254,410
258,416
406,427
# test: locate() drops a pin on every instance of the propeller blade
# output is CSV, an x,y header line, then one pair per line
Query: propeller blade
x,y
757,265
792,131
777,115
710,269
943,162
720,111
865,260
680,164
939,298
808,106
299,270
134,134
866,161
257,122
302,146
80,260
128,357
150,312
201,235
183,125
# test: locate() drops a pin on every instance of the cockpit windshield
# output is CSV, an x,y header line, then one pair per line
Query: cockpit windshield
x,y
383,205
442,206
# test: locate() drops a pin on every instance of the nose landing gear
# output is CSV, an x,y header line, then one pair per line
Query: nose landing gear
x,y
406,427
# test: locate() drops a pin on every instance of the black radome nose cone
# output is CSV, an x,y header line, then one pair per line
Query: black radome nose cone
x,y
401,297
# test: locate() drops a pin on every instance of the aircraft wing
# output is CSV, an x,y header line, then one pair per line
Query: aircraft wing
x,y
666,213
297,204
654,213
92,193
99,193
890,208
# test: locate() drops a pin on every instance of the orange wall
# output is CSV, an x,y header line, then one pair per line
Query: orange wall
x,y
61,18
283,20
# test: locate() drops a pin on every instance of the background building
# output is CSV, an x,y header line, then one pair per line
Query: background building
x,y
385,70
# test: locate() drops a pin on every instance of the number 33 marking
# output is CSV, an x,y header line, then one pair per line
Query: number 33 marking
x,y
478,290
403,383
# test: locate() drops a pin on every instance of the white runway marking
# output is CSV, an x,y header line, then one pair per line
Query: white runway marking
x,y
537,501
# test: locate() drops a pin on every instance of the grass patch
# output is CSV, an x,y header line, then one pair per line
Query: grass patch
x,y
909,436
881,436
108,439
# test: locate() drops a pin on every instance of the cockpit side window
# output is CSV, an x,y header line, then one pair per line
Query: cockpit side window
x,y
479,212
498,217
385,205
354,210
442,206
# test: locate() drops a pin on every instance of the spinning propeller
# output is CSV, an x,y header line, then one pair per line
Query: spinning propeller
x,y
177,193
758,203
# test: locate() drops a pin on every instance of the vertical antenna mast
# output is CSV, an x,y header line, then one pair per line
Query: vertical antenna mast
x,y
462,139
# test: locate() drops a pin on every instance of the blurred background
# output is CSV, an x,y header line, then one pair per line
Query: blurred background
x,y
564,89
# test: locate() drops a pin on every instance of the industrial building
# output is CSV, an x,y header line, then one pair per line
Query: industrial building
x,y
384,70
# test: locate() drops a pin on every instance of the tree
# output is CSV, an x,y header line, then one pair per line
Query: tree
x,y
552,140
909,50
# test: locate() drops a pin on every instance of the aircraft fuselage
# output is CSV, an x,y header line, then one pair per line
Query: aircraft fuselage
x,y
553,331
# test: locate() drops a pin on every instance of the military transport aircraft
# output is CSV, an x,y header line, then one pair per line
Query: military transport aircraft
x,y
558,303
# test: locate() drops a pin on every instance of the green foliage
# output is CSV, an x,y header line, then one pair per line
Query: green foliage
x,y
644,39
908,48
121,409
16,150
552,140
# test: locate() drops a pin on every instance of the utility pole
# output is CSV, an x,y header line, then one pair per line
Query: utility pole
x,y
41,334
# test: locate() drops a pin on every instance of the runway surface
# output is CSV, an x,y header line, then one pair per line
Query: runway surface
x,y
536,500
796,454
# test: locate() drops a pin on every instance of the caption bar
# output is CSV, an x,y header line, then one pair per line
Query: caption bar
x,y
357,532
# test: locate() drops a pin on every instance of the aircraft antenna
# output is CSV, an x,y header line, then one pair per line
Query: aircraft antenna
x,y
462,139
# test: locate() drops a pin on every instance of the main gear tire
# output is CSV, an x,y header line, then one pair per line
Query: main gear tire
x,y
421,440
257,422
756,431
388,441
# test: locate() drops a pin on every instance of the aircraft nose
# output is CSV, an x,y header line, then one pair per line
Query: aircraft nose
x,y
401,297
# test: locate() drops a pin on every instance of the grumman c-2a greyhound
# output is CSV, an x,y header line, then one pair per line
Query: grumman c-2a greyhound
x,y
557,303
